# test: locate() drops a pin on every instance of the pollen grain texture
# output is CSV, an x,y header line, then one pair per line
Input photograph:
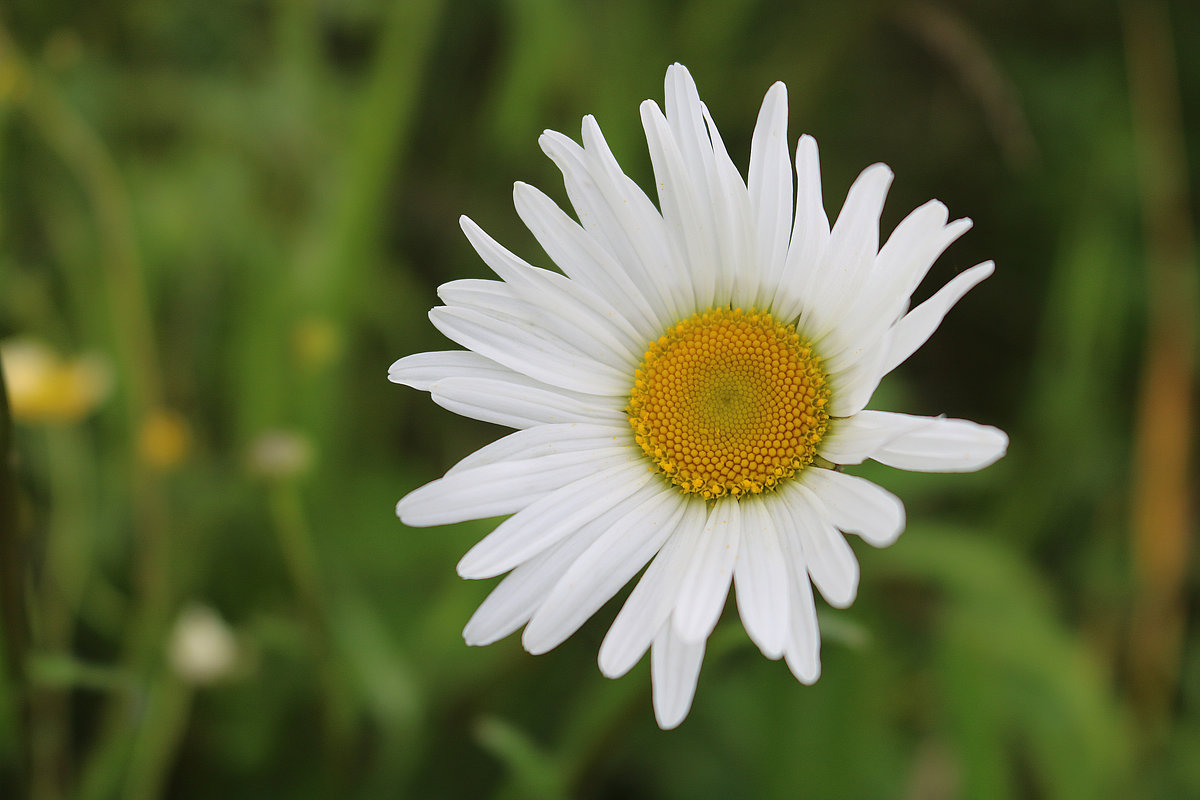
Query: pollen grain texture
x,y
729,402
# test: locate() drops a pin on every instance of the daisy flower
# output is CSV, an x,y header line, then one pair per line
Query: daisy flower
x,y
685,393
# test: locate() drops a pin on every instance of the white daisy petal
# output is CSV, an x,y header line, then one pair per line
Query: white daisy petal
x,y
830,561
551,295
856,505
520,346
736,264
602,211
524,590
422,370
548,316
849,255
915,245
854,384
651,601
810,235
686,214
941,445
853,439
679,390
770,187
611,561
803,648
551,518
761,580
644,235
915,327
514,404
803,651
495,489
617,212
583,259
701,205
545,440
706,584
909,253
674,670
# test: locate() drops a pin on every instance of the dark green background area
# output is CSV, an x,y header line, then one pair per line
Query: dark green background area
x,y
248,206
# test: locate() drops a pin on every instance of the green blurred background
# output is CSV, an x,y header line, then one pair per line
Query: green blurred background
x,y
221,220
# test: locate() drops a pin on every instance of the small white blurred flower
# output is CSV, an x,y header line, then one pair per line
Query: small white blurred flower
x,y
203,649
280,454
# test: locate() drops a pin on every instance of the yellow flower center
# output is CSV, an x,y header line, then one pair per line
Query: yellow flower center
x,y
729,402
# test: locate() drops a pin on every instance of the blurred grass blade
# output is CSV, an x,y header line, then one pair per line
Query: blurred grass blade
x,y
15,639
1162,502
534,774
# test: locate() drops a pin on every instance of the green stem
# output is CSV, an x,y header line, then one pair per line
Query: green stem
x,y
160,733
300,558
15,643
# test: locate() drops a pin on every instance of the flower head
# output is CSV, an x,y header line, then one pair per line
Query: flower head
x,y
686,393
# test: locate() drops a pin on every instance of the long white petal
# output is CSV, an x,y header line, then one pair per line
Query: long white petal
x,y
856,505
558,294
686,174
803,648
542,316
422,370
853,439
803,651
810,235
848,258
736,261
761,580
901,264
521,405
551,518
915,327
687,218
545,440
495,489
830,561
522,347
651,601
611,561
706,585
770,187
853,385
942,445
584,259
524,590
674,670
911,251
609,208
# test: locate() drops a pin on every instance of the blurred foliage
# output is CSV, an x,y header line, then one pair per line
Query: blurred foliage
x,y
245,208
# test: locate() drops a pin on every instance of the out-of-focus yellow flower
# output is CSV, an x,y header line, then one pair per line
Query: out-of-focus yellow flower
x,y
45,388
315,342
164,439
12,80
202,649
280,454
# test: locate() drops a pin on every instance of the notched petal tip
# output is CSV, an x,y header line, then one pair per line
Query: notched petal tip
x,y
878,176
